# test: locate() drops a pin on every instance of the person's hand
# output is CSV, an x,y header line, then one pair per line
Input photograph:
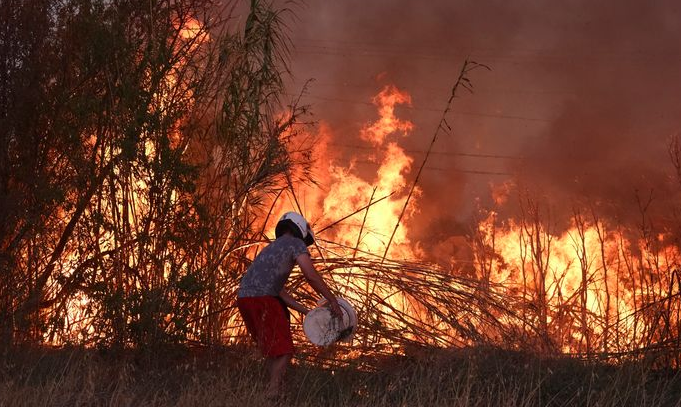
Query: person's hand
x,y
335,309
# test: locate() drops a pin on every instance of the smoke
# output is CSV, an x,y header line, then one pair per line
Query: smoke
x,y
607,142
579,107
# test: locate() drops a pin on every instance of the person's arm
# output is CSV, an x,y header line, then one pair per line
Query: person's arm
x,y
316,281
292,303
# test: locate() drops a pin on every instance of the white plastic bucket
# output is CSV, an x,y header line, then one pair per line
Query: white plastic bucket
x,y
323,330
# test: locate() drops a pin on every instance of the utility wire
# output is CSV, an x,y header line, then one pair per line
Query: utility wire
x,y
446,153
606,52
474,172
487,54
424,109
497,91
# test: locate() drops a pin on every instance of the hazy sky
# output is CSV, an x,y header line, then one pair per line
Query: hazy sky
x,y
580,104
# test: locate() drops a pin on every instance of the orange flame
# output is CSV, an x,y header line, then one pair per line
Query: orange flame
x,y
386,100
588,277
347,189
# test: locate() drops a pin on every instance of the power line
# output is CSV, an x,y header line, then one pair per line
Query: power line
x,y
577,59
425,109
474,172
360,53
466,51
477,89
488,54
446,153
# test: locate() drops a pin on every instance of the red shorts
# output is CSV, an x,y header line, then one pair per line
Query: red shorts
x,y
268,324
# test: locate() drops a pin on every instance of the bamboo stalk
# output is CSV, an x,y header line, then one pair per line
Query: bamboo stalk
x,y
464,82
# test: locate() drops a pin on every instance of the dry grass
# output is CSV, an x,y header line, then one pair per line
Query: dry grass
x,y
230,377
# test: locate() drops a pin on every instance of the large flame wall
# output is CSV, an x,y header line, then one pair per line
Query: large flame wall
x,y
591,288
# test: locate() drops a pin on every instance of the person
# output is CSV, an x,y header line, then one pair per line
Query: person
x,y
263,301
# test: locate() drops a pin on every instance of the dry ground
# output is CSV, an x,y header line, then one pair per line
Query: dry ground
x,y
234,377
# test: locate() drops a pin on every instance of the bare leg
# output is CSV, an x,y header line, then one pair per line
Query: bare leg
x,y
276,368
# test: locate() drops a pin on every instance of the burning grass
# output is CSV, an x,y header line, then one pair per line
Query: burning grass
x,y
233,377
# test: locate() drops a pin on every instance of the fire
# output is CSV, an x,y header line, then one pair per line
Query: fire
x,y
579,289
134,203
587,279
192,29
500,192
388,124
371,229
347,189
591,288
